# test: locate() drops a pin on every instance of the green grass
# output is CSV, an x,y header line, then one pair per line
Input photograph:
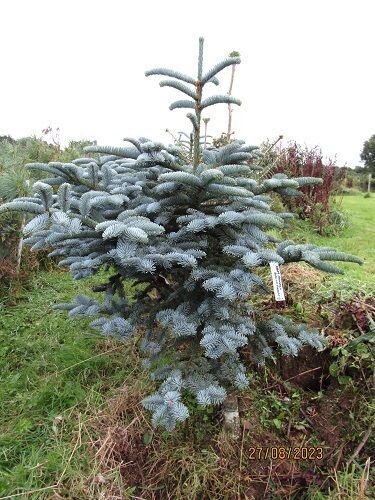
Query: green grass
x,y
53,372
358,238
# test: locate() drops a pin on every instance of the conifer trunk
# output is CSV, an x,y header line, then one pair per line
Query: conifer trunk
x,y
198,110
197,129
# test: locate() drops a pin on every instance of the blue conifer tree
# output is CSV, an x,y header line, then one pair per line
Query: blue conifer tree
x,y
188,223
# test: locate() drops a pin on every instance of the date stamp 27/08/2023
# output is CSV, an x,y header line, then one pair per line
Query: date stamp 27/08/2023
x,y
285,453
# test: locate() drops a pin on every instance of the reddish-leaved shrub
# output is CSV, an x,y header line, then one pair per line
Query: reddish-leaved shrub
x,y
315,202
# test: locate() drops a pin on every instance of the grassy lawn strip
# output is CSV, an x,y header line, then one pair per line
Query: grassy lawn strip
x,y
358,238
52,369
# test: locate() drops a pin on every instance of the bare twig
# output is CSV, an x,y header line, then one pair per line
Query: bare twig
x,y
292,378
364,479
241,452
360,446
307,418
340,455
268,478
273,144
289,427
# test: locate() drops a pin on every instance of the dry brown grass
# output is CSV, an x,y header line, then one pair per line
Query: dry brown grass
x,y
188,464
178,465
127,467
300,280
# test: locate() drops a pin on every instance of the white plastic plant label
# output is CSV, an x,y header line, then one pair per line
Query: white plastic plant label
x,y
277,282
